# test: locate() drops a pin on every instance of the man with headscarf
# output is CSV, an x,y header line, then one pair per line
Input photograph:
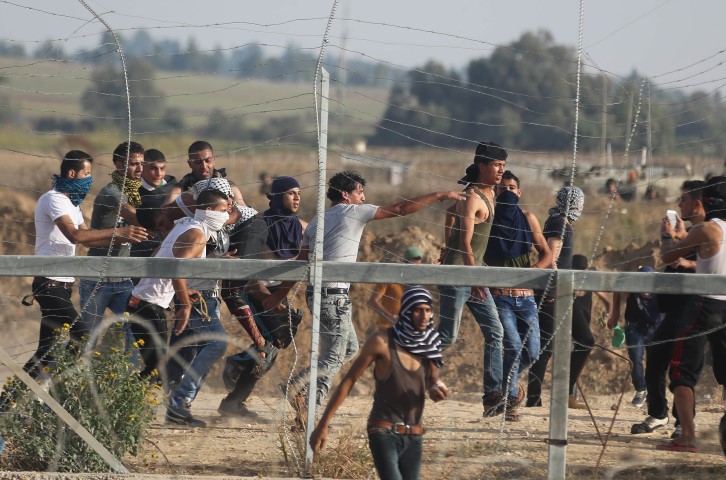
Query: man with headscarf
x,y
196,315
406,358
115,205
559,232
59,227
514,234
243,236
274,329
344,224
705,314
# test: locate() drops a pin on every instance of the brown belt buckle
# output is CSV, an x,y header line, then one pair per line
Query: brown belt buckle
x,y
406,428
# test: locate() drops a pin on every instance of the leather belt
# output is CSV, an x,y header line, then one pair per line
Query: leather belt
x,y
400,428
512,292
330,291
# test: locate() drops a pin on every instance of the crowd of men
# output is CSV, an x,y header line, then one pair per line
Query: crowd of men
x,y
145,212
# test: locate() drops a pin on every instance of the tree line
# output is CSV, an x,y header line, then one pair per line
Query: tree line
x,y
523,95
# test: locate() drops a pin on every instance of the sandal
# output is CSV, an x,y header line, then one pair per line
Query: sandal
x,y
675,446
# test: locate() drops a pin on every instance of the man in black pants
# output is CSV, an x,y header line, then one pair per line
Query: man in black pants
x,y
559,232
59,227
659,353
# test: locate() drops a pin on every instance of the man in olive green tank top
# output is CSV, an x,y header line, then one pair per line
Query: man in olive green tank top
x,y
466,233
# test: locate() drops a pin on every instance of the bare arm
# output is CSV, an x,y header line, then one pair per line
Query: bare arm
x,y
545,259
237,194
190,244
375,303
374,348
618,297
98,238
697,240
273,301
128,213
555,245
467,210
604,299
407,207
174,192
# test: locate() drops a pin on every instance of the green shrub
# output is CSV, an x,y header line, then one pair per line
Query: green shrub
x,y
104,393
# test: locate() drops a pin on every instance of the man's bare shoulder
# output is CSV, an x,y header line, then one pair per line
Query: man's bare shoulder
x,y
378,341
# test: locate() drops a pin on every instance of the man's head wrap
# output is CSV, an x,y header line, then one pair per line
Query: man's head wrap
x,y
425,344
284,230
576,199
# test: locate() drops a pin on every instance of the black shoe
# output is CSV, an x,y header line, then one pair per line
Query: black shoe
x,y
180,414
231,408
678,431
534,402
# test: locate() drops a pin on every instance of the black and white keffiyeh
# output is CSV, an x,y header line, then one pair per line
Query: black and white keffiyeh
x,y
426,344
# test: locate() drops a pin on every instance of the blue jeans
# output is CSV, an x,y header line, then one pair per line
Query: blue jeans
x,y
521,336
396,457
112,296
452,303
338,342
206,350
636,338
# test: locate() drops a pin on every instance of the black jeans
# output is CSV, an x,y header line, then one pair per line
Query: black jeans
x,y
152,338
658,359
583,343
56,309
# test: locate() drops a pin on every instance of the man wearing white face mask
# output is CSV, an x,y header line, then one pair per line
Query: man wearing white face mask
x,y
196,314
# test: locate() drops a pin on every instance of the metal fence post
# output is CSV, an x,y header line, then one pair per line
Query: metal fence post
x,y
317,266
557,454
62,413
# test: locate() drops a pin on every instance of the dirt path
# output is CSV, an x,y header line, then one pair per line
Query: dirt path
x,y
460,443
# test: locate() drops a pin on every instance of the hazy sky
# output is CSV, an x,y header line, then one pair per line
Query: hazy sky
x,y
656,37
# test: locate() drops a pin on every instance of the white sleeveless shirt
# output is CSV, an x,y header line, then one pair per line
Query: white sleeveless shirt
x,y
715,265
160,291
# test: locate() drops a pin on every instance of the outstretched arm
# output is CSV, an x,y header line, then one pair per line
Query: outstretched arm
x,y
98,238
374,347
407,207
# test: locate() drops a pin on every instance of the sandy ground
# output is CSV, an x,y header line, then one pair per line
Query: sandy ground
x,y
459,443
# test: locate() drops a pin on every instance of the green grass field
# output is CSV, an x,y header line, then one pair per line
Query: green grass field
x,y
39,88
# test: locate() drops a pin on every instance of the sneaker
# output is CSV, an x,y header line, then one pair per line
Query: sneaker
x,y
678,431
639,398
231,408
180,413
648,425
533,402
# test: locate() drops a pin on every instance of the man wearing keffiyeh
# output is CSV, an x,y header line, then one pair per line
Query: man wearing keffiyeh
x,y
114,206
406,360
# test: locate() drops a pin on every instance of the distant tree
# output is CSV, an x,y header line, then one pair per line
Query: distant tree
x,y
105,100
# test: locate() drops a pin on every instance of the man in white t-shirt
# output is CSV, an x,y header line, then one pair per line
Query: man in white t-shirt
x,y
344,224
59,227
